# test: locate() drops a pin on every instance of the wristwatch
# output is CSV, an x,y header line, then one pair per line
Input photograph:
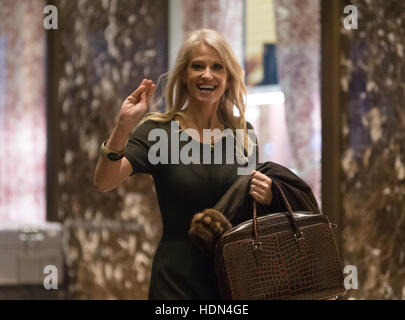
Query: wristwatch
x,y
111,155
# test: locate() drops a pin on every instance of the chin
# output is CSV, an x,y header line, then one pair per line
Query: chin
x,y
206,100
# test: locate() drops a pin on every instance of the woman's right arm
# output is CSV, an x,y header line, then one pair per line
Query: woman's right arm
x,y
109,174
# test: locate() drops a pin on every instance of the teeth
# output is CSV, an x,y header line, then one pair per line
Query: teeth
x,y
203,86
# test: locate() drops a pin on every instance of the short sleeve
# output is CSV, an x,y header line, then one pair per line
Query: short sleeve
x,y
137,148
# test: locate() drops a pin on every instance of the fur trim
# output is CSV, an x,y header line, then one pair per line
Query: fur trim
x,y
206,228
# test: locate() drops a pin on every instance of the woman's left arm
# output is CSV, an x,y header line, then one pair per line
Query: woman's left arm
x,y
260,188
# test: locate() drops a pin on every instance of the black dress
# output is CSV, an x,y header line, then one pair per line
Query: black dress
x,y
180,270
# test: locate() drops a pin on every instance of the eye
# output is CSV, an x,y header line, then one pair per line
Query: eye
x,y
218,66
197,66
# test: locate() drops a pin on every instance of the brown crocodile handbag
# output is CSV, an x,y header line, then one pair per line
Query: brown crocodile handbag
x,y
286,255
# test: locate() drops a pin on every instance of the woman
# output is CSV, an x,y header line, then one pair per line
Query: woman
x,y
202,90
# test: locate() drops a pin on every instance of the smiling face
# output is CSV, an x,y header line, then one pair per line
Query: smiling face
x,y
206,76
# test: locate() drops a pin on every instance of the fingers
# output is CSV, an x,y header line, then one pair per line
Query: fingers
x,y
138,90
145,86
256,196
261,198
143,97
260,188
150,91
258,176
260,181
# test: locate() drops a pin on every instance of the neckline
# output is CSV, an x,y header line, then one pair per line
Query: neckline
x,y
181,129
220,137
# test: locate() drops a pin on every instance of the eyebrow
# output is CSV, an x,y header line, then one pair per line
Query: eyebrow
x,y
200,61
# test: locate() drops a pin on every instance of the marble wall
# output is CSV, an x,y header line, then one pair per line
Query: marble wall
x,y
22,112
101,52
298,55
373,148
225,16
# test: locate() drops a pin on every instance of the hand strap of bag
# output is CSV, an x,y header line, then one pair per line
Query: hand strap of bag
x,y
297,232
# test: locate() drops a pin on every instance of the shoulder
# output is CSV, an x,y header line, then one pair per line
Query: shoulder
x,y
150,124
237,119
249,125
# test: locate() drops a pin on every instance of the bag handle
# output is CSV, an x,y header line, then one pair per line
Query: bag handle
x,y
298,235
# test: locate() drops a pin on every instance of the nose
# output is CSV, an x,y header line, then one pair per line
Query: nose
x,y
207,73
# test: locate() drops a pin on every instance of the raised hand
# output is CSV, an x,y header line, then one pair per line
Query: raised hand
x,y
136,104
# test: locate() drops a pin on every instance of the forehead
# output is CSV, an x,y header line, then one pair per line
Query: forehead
x,y
205,52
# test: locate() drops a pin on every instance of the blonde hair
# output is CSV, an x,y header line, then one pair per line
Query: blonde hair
x,y
176,93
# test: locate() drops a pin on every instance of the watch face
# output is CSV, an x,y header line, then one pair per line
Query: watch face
x,y
114,156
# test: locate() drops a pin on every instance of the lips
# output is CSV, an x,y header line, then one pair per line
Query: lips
x,y
206,87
